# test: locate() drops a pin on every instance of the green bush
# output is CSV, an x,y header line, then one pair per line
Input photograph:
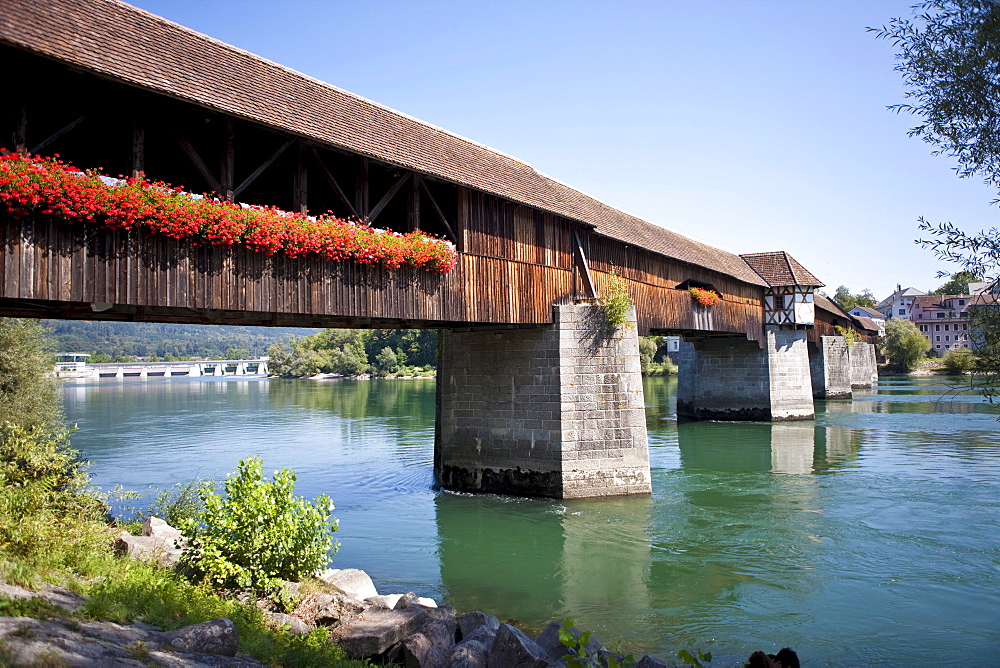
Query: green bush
x,y
959,361
904,345
48,520
386,362
27,393
616,300
259,533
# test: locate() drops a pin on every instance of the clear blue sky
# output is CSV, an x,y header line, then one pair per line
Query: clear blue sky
x,y
748,125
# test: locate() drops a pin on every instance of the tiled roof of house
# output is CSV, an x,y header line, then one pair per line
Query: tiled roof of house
x,y
867,323
985,299
123,43
869,312
780,268
935,301
819,301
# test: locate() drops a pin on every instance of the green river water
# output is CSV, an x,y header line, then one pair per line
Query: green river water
x,y
870,536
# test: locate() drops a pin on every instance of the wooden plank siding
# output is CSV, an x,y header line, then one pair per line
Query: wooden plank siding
x,y
518,263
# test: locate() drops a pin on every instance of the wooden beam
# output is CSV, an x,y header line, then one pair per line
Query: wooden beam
x,y
300,178
333,183
199,164
386,198
260,170
138,150
21,133
227,166
361,189
413,205
439,212
59,133
588,280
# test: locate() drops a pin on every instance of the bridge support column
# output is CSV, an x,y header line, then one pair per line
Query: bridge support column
x,y
734,379
555,411
830,366
864,372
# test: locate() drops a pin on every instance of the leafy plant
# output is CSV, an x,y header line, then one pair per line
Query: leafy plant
x,y
178,504
48,520
259,533
28,395
851,336
689,659
616,300
577,654
959,361
904,345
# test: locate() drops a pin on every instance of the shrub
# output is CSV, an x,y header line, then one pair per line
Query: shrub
x,y
178,504
616,300
27,393
258,534
904,345
386,362
959,360
48,520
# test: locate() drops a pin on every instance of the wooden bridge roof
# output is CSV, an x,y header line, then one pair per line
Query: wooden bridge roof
x,y
120,42
780,268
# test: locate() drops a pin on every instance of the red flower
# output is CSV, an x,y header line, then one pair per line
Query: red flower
x,y
34,184
705,297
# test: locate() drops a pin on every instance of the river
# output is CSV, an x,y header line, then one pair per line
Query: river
x,y
868,536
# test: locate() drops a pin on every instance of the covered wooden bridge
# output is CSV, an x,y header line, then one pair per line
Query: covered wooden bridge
x,y
104,84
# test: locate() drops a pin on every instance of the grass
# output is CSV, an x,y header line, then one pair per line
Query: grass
x,y
161,597
132,590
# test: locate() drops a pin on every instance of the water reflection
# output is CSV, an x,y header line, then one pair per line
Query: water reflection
x,y
541,560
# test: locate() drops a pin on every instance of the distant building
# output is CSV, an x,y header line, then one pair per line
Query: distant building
x,y
877,320
899,303
984,288
944,320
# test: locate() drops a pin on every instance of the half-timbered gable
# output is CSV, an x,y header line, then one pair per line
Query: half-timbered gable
x,y
788,301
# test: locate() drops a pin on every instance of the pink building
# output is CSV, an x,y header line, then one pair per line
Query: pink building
x,y
944,320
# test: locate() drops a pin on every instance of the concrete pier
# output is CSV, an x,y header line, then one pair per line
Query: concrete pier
x,y
553,411
737,379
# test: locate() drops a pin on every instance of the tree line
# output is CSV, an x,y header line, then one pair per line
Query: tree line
x,y
353,352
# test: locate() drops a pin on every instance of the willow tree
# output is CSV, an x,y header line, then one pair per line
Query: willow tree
x,y
948,53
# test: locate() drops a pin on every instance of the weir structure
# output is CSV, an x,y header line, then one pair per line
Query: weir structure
x,y
536,394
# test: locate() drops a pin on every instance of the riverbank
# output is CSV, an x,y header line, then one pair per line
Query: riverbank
x,y
933,367
338,612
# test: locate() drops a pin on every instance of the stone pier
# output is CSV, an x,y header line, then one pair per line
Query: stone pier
x,y
553,411
864,372
830,366
735,379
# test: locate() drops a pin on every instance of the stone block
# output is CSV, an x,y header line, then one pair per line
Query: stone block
x,y
352,581
217,636
431,646
513,647
378,630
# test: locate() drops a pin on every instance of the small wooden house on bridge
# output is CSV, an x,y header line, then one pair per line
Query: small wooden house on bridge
x,y
535,395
